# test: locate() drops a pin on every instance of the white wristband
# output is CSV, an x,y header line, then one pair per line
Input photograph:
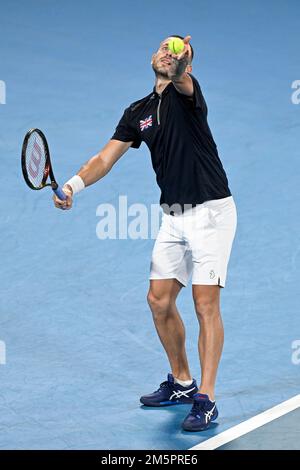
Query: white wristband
x,y
76,183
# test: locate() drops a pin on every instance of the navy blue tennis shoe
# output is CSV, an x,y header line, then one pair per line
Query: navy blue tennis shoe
x,y
170,393
202,413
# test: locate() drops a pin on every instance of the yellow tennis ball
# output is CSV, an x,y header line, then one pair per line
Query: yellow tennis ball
x,y
176,45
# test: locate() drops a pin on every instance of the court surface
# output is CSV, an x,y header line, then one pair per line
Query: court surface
x,y
80,343
284,434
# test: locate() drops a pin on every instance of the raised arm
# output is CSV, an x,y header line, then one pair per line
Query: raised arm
x,y
181,64
94,169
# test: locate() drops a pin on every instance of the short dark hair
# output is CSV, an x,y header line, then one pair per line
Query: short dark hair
x,y
181,37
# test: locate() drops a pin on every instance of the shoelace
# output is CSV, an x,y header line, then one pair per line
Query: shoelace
x,y
197,407
165,384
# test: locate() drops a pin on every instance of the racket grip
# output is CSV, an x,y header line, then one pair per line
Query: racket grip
x,y
59,193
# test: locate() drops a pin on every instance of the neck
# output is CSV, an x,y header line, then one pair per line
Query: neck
x,y
161,83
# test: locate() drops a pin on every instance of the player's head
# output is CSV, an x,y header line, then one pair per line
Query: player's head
x,y
161,58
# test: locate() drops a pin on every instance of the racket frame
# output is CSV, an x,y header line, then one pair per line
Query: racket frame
x,y
48,171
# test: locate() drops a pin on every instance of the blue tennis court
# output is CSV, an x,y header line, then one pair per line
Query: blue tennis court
x,y
284,434
77,342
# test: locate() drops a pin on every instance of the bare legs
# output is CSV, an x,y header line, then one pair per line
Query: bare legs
x,y
169,326
211,336
162,301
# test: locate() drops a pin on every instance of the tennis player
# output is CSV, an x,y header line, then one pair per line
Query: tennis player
x,y
198,224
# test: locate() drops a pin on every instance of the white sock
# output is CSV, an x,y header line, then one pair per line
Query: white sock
x,y
183,383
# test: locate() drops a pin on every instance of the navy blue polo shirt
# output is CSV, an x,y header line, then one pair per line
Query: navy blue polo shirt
x,y
183,152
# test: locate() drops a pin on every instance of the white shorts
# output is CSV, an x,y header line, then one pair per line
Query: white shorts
x,y
198,241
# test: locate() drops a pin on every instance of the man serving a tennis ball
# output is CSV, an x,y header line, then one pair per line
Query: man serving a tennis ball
x,y
198,224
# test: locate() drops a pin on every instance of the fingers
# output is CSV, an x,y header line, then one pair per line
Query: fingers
x,y
182,54
63,205
187,39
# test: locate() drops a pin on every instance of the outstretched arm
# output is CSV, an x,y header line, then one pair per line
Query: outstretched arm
x,y
95,169
99,165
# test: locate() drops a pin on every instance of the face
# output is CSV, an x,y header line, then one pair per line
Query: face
x,y
161,60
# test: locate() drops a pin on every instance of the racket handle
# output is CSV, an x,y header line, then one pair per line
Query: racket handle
x,y
60,194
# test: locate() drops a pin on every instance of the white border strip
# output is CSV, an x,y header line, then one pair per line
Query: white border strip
x,y
249,425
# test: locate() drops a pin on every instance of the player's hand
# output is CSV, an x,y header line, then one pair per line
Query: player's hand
x,y
179,61
67,204
185,53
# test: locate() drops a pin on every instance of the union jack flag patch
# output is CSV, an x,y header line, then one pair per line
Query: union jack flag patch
x,y
144,124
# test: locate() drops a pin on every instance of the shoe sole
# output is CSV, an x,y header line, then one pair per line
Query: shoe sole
x,y
167,403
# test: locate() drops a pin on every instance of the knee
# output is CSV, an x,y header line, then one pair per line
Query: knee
x,y
159,305
206,309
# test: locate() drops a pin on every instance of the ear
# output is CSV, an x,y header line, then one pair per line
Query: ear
x,y
152,58
189,68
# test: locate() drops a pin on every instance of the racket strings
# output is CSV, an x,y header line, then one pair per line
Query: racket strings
x,y
36,160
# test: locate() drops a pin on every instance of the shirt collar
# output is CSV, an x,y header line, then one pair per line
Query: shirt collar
x,y
165,91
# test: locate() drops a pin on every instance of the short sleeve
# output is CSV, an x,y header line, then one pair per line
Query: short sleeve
x,y
126,132
198,98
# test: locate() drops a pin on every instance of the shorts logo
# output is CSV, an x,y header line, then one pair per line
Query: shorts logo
x,y
212,274
144,124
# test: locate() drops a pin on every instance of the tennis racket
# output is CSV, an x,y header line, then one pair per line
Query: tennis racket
x,y
36,164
